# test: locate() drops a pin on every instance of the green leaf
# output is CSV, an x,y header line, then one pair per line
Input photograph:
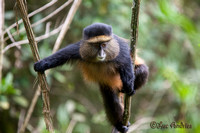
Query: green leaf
x,y
7,85
21,101
62,114
9,78
79,117
4,104
82,128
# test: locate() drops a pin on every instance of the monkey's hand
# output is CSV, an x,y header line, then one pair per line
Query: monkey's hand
x,y
128,87
40,66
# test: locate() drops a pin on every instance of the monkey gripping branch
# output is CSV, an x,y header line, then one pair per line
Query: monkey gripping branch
x,y
42,78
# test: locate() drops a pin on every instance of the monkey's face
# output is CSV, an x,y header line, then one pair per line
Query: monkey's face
x,y
101,54
99,51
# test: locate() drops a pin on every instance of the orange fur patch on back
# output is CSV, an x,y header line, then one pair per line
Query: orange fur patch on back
x,y
138,60
104,73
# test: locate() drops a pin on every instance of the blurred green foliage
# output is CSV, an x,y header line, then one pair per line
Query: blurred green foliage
x,y
169,42
8,93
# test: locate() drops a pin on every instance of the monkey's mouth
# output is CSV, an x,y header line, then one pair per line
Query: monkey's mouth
x,y
101,58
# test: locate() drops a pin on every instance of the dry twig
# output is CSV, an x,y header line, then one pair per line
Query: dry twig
x,y
2,11
71,126
32,14
42,78
66,24
37,93
21,119
30,110
140,124
10,36
40,38
45,18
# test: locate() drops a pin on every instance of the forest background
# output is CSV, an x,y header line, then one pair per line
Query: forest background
x,y
169,42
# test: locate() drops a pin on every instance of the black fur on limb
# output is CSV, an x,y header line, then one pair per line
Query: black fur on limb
x,y
103,58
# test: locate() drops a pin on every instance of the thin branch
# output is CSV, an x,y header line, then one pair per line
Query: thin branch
x,y
134,38
40,38
139,123
153,105
53,13
71,126
48,25
12,39
10,36
31,129
2,11
31,108
33,13
45,18
21,118
66,24
42,78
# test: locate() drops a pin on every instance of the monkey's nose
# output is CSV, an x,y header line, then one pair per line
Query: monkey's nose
x,y
101,54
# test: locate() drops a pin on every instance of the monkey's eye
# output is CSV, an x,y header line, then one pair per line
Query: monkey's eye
x,y
103,45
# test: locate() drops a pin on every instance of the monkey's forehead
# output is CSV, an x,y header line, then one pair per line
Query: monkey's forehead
x,y
97,29
101,38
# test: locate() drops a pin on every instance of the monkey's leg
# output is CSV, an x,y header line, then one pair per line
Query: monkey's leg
x,y
141,75
127,76
113,108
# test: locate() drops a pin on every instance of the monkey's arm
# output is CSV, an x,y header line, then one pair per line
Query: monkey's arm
x,y
69,53
127,77
125,66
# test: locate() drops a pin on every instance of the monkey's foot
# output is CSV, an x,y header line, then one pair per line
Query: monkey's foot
x,y
122,128
128,124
